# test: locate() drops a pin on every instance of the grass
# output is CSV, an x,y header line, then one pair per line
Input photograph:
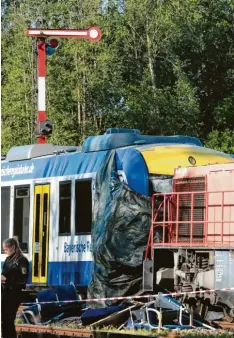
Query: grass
x,y
207,334
196,333
142,332
19,320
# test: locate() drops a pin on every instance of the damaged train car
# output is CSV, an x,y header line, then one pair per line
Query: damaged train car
x,y
191,242
82,215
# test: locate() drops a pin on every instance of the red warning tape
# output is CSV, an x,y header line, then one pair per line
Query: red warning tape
x,y
133,297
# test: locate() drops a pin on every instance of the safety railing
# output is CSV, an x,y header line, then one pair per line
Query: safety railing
x,y
194,219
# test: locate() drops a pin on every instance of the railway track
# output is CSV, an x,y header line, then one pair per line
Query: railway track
x,y
56,331
39,330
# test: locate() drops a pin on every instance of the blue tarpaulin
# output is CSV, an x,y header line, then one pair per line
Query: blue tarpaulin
x,y
121,223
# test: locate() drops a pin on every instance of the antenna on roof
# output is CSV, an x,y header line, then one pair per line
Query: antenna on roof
x,y
59,151
71,150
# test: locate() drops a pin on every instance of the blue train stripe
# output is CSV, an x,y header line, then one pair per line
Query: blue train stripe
x,y
80,273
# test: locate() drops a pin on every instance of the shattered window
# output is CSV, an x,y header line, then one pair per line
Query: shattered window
x,y
160,184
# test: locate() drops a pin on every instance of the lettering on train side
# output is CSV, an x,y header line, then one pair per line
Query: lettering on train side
x,y
18,170
81,247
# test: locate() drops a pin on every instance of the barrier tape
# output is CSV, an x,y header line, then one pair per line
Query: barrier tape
x,y
173,294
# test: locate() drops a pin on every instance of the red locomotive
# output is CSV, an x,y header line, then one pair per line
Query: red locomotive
x,y
191,241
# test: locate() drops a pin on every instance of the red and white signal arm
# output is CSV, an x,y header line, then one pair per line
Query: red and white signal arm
x,y
93,33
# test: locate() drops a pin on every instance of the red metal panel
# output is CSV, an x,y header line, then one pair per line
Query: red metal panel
x,y
199,212
187,228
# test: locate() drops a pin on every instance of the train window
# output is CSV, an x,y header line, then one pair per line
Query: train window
x,y
21,216
65,208
5,212
83,213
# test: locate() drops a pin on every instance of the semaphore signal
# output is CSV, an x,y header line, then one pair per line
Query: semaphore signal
x,y
47,45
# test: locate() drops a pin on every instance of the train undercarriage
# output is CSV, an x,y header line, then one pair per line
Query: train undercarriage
x,y
197,277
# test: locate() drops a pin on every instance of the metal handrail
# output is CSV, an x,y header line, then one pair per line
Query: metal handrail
x,y
172,202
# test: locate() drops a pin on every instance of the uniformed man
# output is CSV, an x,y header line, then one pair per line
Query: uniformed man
x,y
13,281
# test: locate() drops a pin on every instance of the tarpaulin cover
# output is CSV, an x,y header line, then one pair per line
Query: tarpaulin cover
x,y
93,315
120,230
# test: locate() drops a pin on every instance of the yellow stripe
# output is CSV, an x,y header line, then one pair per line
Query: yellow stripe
x,y
164,159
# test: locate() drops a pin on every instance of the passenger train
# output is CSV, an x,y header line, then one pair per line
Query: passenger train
x,y
47,194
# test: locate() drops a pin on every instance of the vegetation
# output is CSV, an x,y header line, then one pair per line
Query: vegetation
x,y
164,67
195,333
192,333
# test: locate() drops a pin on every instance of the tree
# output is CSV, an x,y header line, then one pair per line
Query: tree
x,y
164,67
205,46
18,64
221,140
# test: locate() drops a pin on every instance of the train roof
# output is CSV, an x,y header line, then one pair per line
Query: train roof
x,y
135,161
27,152
98,143
119,140
134,152
47,160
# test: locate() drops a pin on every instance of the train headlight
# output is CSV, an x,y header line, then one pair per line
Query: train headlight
x,y
192,160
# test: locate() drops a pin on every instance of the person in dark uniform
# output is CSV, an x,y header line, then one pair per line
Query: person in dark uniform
x,y
13,281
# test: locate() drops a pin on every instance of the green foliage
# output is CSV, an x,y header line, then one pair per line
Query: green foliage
x,y
192,333
17,87
221,140
199,333
164,67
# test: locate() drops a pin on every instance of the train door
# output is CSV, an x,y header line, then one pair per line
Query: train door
x,y
40,244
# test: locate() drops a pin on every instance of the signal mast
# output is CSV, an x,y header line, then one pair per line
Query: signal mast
x,y
47,45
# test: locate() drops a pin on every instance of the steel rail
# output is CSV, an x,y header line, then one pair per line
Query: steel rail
x,y
59,331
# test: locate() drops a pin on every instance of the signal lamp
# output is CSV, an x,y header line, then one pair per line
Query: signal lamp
x,y
53,43
46,127
51,46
